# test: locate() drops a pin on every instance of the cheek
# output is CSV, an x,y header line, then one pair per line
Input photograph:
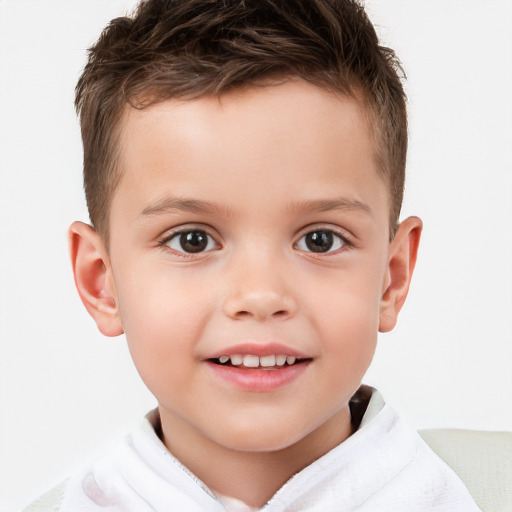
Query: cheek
x,y
349,318
352,339
353,332
157,302
161,323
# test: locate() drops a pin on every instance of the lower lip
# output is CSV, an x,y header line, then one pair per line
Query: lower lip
x,y
258,380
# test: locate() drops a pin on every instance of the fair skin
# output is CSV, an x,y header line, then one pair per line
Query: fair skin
x,y
287,254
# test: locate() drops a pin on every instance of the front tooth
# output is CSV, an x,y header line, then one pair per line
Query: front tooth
x,y
268,361
251,361
236,359
280,360
290,359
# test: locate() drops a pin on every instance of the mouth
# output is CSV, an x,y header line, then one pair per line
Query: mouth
x,y
258,367
251,361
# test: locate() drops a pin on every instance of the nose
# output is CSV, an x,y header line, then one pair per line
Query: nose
x,y
259,290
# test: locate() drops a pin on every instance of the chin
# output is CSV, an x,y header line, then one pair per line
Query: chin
x,y
260,439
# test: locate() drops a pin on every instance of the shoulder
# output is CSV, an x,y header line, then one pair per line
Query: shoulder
x,y
50,501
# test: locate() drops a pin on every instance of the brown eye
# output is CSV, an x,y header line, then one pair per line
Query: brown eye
x,y
321,241
192,241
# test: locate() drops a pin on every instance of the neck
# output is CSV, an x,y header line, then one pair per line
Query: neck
x,y
250,476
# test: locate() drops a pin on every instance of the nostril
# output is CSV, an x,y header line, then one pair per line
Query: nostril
x,y
259,305
245,314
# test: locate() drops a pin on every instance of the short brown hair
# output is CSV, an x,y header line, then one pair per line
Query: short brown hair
x,y
190,48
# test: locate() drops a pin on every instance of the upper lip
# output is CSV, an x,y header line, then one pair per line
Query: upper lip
x,y
258,349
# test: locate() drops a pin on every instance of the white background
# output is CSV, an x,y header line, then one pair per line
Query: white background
x,y
66,391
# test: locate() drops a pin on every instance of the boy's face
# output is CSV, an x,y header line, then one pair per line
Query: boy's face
x,y
255,225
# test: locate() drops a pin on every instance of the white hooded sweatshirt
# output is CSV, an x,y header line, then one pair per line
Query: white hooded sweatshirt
x,y
383,467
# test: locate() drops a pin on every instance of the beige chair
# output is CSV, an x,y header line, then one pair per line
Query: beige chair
x,y
483,461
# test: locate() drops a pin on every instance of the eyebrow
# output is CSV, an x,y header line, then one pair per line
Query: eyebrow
x,y
325,205
169,204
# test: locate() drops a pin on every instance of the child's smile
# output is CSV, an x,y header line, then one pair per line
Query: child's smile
x,y
259,366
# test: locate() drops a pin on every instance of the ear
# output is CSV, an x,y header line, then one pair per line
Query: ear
x,y
93,277
403,251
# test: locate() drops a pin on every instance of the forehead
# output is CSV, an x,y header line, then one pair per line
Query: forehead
x,y
294,135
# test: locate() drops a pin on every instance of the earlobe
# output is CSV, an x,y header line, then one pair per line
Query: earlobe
x,y
402,259
93,277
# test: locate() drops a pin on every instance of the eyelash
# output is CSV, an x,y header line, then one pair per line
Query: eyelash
x,y
344,239
164,242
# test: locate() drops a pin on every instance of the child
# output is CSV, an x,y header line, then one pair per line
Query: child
x,y
244,166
